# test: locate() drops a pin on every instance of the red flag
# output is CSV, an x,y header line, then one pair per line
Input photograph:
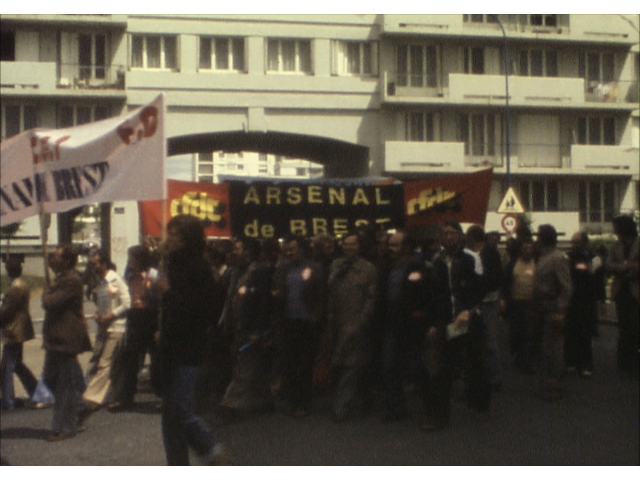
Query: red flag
x,y
463,198
207,201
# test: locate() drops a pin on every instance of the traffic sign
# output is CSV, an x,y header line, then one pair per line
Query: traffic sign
x,y
509,223
510,204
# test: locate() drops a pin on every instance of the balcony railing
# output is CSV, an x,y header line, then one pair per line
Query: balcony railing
x,y
76,76
612,91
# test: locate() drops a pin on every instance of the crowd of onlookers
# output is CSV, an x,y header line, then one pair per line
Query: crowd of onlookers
x,y
246,326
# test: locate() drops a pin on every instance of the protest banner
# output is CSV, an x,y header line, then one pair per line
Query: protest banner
x,y
268,209
207,201
55,170
461,197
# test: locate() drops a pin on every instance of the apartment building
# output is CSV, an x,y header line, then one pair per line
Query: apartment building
x,y
424,95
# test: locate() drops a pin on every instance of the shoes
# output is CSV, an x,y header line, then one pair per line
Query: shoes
x,y
59,436
118,407
86,413
216,456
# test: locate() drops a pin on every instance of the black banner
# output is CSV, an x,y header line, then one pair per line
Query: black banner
x,y
269,209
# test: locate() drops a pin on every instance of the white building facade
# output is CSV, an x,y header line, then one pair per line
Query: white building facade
x,y
426,94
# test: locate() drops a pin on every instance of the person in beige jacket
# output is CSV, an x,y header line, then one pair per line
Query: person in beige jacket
x,y
17,328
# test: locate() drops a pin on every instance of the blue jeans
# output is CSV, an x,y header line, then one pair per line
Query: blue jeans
x,y
12,363
181,428
63,375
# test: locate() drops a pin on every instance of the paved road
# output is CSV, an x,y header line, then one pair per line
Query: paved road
x,y
596,424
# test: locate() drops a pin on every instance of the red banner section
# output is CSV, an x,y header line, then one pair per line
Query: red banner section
x,y
463,198
209,202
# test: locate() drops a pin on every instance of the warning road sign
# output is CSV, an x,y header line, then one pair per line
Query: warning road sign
x,y
509,223
510,204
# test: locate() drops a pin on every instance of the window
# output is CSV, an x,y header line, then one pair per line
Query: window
x,y
154,52
474,60
597,201
479,134
597,67
538,63
355,58
92,54
7,46
543,20
596,131
540,196
417,65
74,115
16,118
289,55
262,156
480,18
218,53
419,127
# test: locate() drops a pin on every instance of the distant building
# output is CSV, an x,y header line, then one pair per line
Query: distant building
x,y
424,93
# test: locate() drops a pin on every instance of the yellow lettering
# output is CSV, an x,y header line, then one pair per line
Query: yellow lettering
x,y
273,194
337,195
315,195
268,231
340,226
298,226
360,197
293,195
252,196
319,226
379,200
251,230
361,222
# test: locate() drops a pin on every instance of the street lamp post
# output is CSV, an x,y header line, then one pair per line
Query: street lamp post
x,y
507,117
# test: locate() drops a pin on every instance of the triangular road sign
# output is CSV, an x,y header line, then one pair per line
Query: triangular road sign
x,y
510,204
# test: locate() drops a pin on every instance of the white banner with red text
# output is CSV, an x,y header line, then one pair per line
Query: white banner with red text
x,y
55,170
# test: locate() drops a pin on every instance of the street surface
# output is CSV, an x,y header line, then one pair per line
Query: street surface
x,y
597,423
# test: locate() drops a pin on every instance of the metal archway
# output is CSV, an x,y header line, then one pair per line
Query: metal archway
x,y
340,159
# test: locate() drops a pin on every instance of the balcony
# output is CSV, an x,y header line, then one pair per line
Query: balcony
x,y
613,159
28,77
78,76
423,156
490,90
616,92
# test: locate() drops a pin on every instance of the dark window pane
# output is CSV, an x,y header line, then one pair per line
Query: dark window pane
x,y
595,197
305,55
432,64
491,135
607,67
538,196
593,67
222,54
553,195
536,19
582,201
205,53
84,56
153,52
524,62
170,53
582,131
536,63
30,117
594,131
609,131
464,132
417,65
525,195
12,120
609,201
402,65
84,115
238,53
65,118
552,63
101,56
416,126
478,61
102,112
477,18
430,129
7,46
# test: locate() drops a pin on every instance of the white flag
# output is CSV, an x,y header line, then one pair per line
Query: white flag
x,y
55,170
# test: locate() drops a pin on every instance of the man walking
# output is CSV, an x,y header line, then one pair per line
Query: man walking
x,y
552,294
65,335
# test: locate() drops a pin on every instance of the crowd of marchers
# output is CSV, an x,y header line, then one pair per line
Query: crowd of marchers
x,y
247,326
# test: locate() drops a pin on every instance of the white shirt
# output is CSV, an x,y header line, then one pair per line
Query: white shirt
x,y
113,298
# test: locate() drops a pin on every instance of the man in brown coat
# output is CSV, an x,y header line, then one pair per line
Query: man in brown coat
x,y
17,328
65,335
352,299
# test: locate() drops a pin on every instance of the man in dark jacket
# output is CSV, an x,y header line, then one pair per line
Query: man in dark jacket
x,y
190,305
65,335
458,331
407,303
300,305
